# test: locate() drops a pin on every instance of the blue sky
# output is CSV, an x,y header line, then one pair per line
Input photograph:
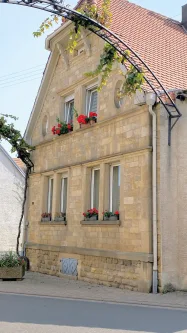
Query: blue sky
x,y
23,57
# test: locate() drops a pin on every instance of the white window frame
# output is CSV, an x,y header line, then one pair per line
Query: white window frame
x,y
92,186
67,101
89,90
111,182
64,176
49,200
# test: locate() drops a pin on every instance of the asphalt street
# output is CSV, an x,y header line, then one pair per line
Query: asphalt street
x,y
41,314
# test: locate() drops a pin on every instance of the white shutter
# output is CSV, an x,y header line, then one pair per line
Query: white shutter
x,y
63,201
93,101
95,188
114,188
50,196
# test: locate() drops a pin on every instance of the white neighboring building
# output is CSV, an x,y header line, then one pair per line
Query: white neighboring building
x,y
11,197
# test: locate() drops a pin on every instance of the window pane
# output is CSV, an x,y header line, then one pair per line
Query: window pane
x,y
93,102
116,188
50,196
64,186
96,189
69,111
71,106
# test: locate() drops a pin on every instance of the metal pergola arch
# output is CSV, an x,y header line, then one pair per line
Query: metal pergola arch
x,y
57,8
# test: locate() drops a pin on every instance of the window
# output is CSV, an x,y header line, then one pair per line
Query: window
x,y
114,188
95,179
69,107
63,196
91,100
50,195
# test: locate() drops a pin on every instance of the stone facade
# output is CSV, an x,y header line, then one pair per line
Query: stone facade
x,y
119,255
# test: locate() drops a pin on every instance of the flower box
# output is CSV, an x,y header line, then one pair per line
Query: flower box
x,y
45,219
7,273
111,218
92,218
59,219
85,125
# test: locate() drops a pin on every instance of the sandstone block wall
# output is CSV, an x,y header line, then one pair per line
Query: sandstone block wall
x,y
128,274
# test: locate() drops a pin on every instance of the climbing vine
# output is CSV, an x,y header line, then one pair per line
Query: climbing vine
x,y
9,133
14,137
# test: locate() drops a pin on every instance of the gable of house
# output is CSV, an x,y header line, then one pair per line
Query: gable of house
x,y
157,39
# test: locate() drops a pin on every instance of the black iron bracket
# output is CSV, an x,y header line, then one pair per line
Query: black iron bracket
x,y
171,126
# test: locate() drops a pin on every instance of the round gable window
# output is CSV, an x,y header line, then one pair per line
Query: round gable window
x,y
44,126
118,98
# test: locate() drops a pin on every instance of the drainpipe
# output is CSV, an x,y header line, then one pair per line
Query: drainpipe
x,y
150,101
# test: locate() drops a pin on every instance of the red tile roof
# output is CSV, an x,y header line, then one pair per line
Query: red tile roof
x,y
19,163
160,41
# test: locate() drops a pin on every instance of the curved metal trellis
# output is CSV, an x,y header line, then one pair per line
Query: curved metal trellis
x,y
113,39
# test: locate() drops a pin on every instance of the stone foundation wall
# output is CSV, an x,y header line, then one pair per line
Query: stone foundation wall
x,y
126,274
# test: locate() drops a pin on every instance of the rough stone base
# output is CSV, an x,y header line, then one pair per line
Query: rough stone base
x,y
125,274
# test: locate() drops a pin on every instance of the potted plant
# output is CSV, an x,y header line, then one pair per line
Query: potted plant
x,y
110,216
86,121
62,128
46,217
60,217
91,215
92,118
11,266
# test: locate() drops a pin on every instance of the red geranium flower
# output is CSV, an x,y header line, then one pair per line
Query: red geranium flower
x,y
59,125
69,126
93,114
116,212
81,119
58,131
53,129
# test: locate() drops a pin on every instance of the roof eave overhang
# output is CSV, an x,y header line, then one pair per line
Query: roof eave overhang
x,y
55,34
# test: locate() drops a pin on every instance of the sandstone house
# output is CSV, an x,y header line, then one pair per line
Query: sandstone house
x,y
113,164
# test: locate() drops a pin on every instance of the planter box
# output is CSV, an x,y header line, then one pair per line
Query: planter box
x,y
59,219
111,218
93,218
91,122
85,125
45,219
12,272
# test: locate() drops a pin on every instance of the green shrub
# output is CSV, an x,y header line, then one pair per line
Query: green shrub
x,y
11,259
168,288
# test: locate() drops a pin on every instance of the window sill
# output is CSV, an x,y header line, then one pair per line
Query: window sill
x,y
53,222
99,223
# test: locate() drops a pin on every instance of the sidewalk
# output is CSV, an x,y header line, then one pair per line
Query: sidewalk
x,y
45,285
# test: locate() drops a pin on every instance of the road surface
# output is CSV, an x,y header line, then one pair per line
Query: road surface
x,y
30,314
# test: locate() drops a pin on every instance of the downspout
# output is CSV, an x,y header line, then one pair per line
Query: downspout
x,y
150,100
